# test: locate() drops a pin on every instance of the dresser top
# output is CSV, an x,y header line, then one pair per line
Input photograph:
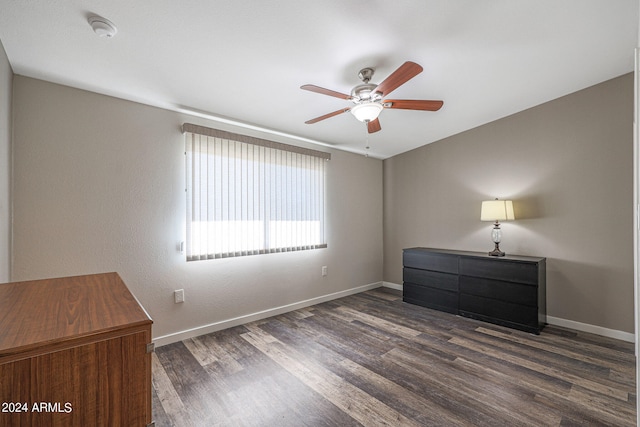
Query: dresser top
x,y
478,254
49,311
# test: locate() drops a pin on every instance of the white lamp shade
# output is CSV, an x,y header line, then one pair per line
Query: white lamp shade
x,y
497,210
367,111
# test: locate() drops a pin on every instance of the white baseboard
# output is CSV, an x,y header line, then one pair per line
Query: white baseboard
x,y
237,321
229,323
582,327
593,329
392,285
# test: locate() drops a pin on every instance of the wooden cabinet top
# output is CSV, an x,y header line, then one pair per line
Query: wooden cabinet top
x,y
50,311
477,254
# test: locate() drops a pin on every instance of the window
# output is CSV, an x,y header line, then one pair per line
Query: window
x,y
248,196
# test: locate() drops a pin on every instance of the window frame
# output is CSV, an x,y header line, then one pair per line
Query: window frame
x,y
286,174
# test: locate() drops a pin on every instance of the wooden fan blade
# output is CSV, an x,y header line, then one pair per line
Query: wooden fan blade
x,y
326,116
374,126
403,74
318,89
413,104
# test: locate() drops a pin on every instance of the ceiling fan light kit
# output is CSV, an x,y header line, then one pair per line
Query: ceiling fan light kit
x,y
368,97
366,111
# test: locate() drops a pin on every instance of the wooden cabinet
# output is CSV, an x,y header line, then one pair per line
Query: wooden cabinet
x,y
74,351
510,290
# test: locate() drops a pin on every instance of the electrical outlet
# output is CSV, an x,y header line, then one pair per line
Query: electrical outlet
x,y
178,296
325,271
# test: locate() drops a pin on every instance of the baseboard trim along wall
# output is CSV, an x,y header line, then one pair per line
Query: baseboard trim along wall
x,y
593,329
225,324
392,285
582,327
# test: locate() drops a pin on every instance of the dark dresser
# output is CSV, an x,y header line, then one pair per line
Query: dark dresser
x,y
509,291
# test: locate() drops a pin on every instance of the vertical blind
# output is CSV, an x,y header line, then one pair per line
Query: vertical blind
x,y
248,196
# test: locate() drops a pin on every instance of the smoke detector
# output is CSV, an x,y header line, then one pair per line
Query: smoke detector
x,y
102,26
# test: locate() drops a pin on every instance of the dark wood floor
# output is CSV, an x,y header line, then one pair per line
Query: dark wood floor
x,y
372,360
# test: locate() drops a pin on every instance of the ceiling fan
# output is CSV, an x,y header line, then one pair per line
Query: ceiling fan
x,y
368,98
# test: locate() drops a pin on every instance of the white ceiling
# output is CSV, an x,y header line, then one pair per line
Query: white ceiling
x,y
246,60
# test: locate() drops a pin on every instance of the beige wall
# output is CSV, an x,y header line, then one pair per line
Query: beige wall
x,y
99,186
567,165
6,77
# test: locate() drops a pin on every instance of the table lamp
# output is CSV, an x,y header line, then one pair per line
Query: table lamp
x,y
496,210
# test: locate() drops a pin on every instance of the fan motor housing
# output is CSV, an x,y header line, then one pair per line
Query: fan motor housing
x,y
365,92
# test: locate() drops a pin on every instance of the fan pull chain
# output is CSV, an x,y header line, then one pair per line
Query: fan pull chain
x,y
366,124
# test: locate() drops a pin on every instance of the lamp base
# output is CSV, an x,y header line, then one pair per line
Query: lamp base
x,y
496,251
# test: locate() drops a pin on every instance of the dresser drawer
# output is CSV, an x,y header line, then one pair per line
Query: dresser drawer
x,y
504,291
433,279
425,260
500,269
429,297
495,311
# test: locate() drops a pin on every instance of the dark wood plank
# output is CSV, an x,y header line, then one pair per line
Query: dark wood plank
x,y
370,359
